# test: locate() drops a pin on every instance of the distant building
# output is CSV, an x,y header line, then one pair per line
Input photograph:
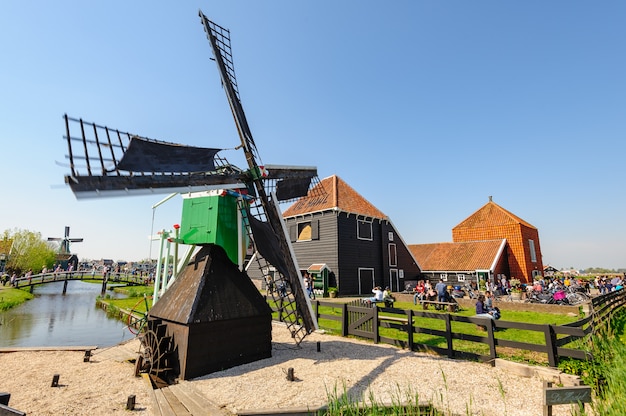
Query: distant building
x,y
5,252
463,262
549,271
518,252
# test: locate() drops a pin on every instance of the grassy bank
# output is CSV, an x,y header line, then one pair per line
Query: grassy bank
x,y
11,297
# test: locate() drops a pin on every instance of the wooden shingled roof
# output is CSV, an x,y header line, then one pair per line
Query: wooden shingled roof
x,y
491,215
338,196
463,256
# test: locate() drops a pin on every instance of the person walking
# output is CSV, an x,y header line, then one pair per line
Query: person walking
x,y
308,284
442,291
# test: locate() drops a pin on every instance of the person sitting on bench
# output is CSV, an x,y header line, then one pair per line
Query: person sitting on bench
x,y
388,298
429,296
378,296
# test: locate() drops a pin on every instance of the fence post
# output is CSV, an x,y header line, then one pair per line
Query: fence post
x,y
449,336
491,336
553,357
344,321
375,325
103,290
409,328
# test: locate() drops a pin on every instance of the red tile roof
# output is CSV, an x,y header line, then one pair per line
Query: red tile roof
x,y
337,195
464,256
491,215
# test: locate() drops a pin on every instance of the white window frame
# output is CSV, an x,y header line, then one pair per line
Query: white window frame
x,y
444,277
533,253
394,280
390,236
298,229
393,260
461,277
358,229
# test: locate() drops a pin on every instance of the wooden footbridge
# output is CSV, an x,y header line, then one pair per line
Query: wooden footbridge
x,y
110,278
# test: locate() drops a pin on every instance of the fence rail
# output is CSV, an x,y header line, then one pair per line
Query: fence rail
x,y
559,341
37,279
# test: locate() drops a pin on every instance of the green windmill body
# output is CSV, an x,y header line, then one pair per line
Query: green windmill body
x,y
213,217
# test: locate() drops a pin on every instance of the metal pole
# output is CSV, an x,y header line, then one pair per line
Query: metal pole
x,y
157,275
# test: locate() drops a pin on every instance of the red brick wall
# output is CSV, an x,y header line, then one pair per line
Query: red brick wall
x,y
518,248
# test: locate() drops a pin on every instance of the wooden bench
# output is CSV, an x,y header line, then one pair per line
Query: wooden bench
x,y
450,306
393,319
388,302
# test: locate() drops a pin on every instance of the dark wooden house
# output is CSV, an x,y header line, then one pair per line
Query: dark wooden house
x,y
359,244
215,316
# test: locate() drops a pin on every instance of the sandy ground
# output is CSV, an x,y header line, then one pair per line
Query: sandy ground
x,y
357,368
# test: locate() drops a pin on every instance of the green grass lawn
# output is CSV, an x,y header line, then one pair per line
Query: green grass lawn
x,y
11,297
139,298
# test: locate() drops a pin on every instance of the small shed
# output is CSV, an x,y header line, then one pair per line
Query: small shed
x,y
215,316
320,272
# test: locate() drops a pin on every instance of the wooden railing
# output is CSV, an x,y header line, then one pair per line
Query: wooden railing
x,y
559,341
64,276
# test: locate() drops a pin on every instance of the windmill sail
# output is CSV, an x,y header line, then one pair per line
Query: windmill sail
x,y
150,156
110,162
297,308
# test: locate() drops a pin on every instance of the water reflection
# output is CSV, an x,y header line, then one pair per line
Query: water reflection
x,y
54,319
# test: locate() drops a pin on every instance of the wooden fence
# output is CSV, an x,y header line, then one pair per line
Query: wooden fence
x,y
558,340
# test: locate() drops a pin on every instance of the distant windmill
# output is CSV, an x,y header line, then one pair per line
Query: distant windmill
x,y
64,247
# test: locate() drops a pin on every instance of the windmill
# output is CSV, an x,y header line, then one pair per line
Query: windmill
x,y
64,255
64,245
109,162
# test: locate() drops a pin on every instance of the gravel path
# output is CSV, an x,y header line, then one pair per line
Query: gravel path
x,y
358,368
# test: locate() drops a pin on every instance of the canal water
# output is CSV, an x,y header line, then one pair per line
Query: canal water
x,y
53,319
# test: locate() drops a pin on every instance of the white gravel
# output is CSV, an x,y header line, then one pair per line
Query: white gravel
x,y
361,369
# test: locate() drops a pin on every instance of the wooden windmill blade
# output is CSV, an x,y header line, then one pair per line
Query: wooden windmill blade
x,y
270,224
109,162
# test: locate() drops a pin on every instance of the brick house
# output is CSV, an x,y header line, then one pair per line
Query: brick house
x,y
359,244
489,243
491,222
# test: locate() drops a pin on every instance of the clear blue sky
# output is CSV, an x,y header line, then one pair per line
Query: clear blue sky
x,y
424,107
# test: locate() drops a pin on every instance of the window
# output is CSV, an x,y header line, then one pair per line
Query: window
x,y
444,277
390,236
461,277
533,254
364,230
393,255
304,231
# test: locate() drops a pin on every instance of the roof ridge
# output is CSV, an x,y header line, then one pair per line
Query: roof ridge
x,y
339,196
513,216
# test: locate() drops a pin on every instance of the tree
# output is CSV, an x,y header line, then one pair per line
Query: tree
x,y
29,251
